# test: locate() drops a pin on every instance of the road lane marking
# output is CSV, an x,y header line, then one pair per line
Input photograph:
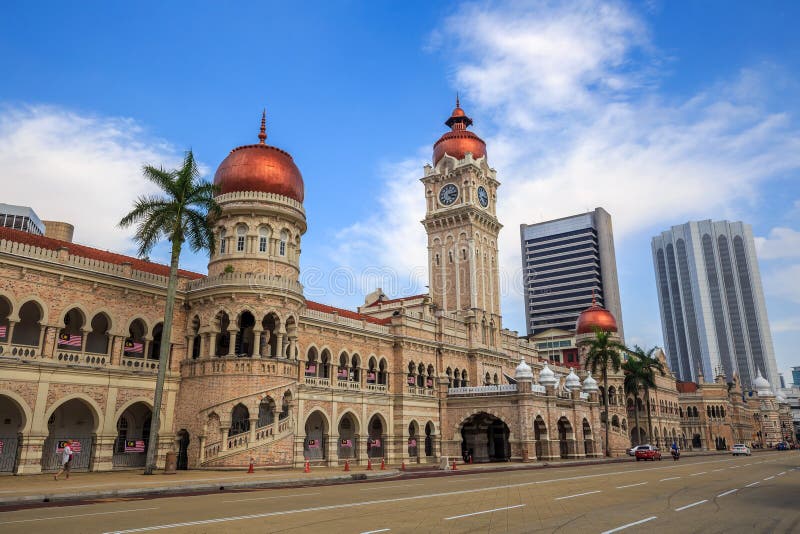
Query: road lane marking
x,y
275,497
727,492
735,467
392,486
484,512
690,505
747,465
577,495
715,470
752,484
631,485
398,499
781,473
623,527
376,531
770,478
76,515
669,478
696,474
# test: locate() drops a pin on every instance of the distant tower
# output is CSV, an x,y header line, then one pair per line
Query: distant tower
x,y
567,263
461,223
711,301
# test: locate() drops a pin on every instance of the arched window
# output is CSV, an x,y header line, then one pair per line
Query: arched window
x,y
449,374
222,239
241,232
450,254
263,239
487,379
438,262
240,420
284,240
464,380
456,378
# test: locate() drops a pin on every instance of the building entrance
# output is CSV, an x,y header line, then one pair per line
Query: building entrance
x,y
485,439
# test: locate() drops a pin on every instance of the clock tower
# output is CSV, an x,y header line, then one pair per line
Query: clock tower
x,y
461,223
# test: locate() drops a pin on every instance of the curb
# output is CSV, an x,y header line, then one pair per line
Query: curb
x,y
207,487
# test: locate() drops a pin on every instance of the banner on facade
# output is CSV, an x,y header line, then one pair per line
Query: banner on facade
x,y
411,380
376,443
1,446
312,444
69,340
429,382
132,445
347,443
343,373
370,377
75,446
311,368
412,442
133,347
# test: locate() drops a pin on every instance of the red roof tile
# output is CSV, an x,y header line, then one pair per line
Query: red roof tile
x,y
83,251
686,387
311,305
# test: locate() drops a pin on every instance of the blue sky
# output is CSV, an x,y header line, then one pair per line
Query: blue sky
x,y
581,104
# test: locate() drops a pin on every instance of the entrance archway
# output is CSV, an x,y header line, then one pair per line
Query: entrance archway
x,y
133,436
429,439
75,420
12,421
376,439
348,437
183,450
566,438
485,438
413,440
539,433
588,439
316,434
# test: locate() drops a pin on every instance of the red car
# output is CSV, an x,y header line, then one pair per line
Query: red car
x,y
648,452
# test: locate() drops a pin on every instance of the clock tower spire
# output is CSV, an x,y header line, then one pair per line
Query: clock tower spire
x,y
461,223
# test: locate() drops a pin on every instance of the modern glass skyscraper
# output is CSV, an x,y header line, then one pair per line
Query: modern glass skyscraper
x,y
564,262
711,300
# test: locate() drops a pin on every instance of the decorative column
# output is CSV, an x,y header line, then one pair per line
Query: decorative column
x,y
251,438
10,333
224,444
50,341
146,349
232,342
292,345
117,350
255,351
266,337
84,337
189,346
279,345
202,450
42,330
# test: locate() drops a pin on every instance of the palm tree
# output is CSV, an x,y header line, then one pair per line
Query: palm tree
x,y
184,211
603,351
634,380
650,365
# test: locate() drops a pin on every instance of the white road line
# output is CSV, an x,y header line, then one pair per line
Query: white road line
x,y
373,488
623,527
398,499
690,505
631,485
727,492
275,497
735,467
669,478
76,515
770,478
781,473
752,484
376,531
696,474
577,495
745,465
484,512
715,470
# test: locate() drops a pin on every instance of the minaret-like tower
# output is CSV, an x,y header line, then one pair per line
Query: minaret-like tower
x,y
461,223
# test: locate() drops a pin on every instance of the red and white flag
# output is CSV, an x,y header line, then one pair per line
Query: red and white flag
x,y
69,340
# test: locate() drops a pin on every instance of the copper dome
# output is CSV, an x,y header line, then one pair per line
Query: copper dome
x,y
260,167
459,140
595,316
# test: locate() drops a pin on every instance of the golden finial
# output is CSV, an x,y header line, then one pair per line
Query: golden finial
x,y
262,135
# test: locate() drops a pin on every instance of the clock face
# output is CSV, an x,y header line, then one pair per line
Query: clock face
x,y
448,194
483,196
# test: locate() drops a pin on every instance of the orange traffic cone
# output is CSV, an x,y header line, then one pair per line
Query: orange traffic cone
x,y
250,469
308,467
383,465
347,465
403,466
454,465
369,464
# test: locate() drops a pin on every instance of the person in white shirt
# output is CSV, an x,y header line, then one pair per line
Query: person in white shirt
x,y
66,460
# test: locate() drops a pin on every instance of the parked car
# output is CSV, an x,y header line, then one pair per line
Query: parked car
x,y
632,450
783,446
740,449
648,452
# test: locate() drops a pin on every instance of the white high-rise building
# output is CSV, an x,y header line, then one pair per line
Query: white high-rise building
x,y
711,300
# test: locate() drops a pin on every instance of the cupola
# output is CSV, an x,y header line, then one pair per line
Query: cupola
x,y
458,141
595,316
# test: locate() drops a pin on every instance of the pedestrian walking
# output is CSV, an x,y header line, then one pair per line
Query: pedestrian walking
x,y
66,460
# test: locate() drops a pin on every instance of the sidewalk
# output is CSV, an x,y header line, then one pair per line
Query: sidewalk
x,y
32,489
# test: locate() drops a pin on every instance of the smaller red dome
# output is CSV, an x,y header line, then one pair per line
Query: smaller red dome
x,y
459,140
595,316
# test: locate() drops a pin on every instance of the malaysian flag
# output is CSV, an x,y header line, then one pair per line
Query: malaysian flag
x,y
343,373
412,381
3,331
69,340
311,368
75,446
134,445
370,377
347,443
132,346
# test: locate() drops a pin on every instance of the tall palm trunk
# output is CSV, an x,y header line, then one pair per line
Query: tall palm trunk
x,y
605,406
163,359
649,418
636,418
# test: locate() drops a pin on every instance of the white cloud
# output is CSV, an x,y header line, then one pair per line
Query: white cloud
x,y
781,243
566,96
787,324
82,169
781,282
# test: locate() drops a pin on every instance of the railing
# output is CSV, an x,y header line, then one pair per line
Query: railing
x,y
338,319
377,387
484,390
265,432
538,388
81,358
317,381
238,441
284,425
254,281
584,396
139,364
422,391
21,351
213,449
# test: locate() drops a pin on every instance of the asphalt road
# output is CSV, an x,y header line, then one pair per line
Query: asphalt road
x,y
712,494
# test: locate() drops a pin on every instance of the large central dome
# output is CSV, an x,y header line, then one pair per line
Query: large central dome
x,y
459,140
262,168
